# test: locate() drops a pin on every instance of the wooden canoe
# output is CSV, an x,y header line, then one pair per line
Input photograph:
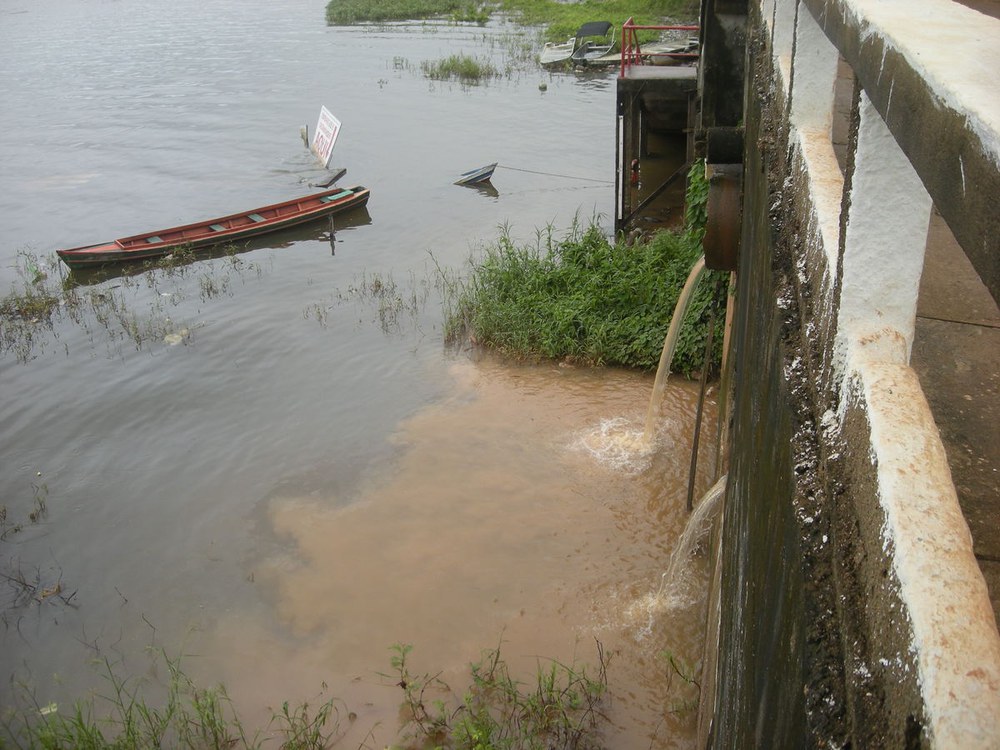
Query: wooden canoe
x,y
218,231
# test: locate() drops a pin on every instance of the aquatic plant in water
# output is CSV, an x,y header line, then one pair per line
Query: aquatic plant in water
x,y
45,294
191,716
561,709
461,67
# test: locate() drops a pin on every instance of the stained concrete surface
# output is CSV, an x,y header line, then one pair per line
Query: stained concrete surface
x,y
989,7
956,355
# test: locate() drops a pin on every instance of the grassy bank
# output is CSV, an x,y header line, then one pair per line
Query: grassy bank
x,y
560,19
589,300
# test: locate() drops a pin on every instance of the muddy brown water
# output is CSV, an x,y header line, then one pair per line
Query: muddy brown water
x,y
289,473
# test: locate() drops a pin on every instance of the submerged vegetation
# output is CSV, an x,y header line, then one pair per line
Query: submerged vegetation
x,y
464,68
45,293
587,299
189,716
561,710
389,303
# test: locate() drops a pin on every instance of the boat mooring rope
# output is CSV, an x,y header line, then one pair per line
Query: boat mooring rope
x,y
553,174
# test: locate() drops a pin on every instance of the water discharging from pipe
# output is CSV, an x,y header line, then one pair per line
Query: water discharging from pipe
x,y
669,345
672,583
683,584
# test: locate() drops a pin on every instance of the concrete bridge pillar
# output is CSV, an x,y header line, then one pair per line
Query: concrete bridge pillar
x,y
888,213
814,72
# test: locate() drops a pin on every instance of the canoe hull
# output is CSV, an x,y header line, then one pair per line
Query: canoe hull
x,y
220,231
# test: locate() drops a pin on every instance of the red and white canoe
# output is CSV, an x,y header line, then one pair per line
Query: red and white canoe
x,y
218,231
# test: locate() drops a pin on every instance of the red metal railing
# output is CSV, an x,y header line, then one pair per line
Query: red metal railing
x,y
632,53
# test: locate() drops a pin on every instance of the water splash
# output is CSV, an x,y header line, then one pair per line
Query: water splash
x,y
679,586
617,444
674,583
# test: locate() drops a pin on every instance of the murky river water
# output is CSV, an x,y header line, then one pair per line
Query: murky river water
x,y
310,476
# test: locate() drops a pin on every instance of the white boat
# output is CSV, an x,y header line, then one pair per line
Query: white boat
x,y
557,52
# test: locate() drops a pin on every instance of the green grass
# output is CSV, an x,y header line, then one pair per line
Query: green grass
x,y
345,12
561,19
190,716
561,708
586,299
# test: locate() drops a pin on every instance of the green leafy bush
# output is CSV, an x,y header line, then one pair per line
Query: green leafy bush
x,y
588,300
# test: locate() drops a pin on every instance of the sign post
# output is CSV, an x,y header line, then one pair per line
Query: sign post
x,y
327,130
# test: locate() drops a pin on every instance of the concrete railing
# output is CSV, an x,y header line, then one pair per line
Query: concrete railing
x,y
925,133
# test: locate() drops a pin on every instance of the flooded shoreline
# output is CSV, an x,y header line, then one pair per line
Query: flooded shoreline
x,y
294,486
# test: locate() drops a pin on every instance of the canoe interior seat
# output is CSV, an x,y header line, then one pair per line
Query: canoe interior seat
x,y
256,217
153,239
336,197
217,228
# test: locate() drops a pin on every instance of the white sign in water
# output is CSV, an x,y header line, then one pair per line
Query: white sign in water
x,y
326,135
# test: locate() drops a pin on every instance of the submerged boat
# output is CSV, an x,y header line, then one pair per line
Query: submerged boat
x,y
557,52
217,231
595,40
477,176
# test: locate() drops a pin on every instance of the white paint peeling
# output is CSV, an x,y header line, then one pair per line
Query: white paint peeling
x,y
955,644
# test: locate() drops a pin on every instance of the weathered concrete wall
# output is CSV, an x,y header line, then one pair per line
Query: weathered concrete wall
x,y
851,611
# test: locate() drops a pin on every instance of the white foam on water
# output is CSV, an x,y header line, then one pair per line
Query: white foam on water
x,y
617,444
